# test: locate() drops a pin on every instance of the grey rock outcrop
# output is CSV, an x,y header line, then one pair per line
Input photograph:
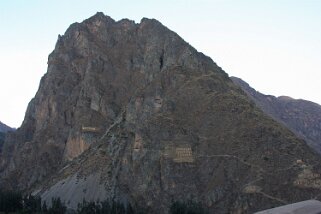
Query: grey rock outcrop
x,y
136,113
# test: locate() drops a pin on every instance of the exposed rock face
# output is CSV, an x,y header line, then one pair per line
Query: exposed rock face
x,y
137,114
301,116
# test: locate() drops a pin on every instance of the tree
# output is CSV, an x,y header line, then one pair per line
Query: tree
x,y
57,207
31,204
44,207
89,207
105,207
10,201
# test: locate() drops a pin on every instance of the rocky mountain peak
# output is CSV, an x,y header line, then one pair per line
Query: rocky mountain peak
x,y
131,112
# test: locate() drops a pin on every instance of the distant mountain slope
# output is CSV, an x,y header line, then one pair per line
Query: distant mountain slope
x,y
301,116
2,136
4,128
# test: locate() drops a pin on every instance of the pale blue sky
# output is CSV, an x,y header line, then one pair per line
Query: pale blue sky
x,y
275,45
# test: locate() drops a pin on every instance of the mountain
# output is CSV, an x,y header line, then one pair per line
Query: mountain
x,y
131,112
301,116
4,128
2,137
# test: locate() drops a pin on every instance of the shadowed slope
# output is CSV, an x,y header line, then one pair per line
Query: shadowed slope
x,y
301,116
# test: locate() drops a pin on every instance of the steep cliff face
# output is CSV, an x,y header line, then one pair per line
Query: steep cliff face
x,y
301,116
132,112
